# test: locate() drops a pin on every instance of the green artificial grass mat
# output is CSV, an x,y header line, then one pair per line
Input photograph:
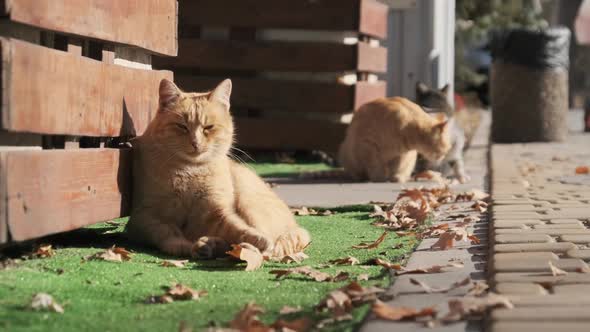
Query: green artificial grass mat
x,y
283,170
109,296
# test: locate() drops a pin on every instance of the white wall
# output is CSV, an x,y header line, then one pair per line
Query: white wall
x,y
421,46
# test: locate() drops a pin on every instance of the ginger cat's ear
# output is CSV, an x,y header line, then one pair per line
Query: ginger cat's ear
x,y
446,89
421,88
222,93
169,93
441,126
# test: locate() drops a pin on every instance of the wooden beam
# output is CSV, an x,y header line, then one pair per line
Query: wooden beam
x,y
364,16
149,24
292,96
52,191
279,56
289,133
47,91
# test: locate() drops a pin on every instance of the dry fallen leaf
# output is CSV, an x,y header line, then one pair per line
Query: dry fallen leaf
x,y
345,261
247,319
113,254
555,271
430,269
463,307
297,257
285,310
372,245
582,170
178,292
445,241
296,325
332,320
43,251
362,277
304,270
247,253
341,301
384,311
386,264
429,289
43,301
174,263
478,288
480,206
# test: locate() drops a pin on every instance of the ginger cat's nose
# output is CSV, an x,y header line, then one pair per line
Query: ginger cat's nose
x,y
195,145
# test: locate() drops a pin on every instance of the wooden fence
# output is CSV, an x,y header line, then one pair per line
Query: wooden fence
x,y
76,81
278,75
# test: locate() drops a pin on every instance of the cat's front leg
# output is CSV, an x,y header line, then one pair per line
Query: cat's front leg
x,y
459,170
234,229
166,237
208,247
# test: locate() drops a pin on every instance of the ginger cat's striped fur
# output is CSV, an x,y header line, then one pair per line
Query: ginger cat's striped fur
x,y
190,198
384,138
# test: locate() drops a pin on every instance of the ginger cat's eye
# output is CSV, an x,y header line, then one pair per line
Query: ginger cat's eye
x,y
209,127
182,126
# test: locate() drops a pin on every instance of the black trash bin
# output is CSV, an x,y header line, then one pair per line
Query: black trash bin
x,y
529,85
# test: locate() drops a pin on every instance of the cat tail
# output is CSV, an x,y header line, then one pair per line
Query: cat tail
x,y
339,174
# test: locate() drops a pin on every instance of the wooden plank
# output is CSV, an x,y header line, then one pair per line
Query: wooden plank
x,y
366,92
289,133
52,92
349,15
59,190
149,24
373,18
279,56
3,211
371,59
292,96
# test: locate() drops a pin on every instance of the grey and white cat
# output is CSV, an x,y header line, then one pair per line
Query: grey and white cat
x,y
436,102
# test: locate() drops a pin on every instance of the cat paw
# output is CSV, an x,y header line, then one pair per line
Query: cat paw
x,y
257,239
209,247
464,178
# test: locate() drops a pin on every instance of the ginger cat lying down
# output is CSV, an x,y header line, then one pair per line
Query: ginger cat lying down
x,y
384,137
189,197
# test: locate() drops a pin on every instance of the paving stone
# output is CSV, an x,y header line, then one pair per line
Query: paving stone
x,y
520,288
571,289
583,254
565,221
518,223
550,300
543,314
510,208
539,265
509,326
570,213
518,215
575,238
542,278
551,232
556,247
522,238
523,256
577,225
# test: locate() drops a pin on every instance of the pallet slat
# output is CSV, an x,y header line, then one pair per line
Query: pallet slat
x,y
52,92
368,17
293,96
289,134
277,56
149,24
59,190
